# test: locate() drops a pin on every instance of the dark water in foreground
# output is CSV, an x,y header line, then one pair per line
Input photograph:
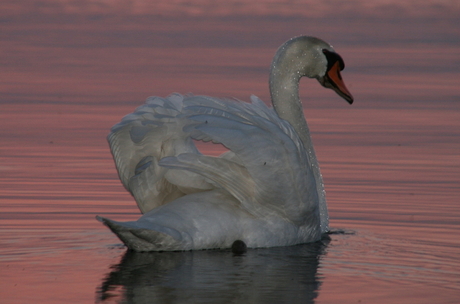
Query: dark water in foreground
x,y
390,162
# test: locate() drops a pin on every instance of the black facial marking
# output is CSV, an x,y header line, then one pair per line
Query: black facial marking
x,y
332,58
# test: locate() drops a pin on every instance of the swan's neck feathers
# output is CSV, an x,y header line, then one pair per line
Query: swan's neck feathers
x,y
297,58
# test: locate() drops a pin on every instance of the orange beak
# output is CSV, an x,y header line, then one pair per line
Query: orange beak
x,y
333,80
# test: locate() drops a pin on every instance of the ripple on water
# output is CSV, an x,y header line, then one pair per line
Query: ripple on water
x,y
392,258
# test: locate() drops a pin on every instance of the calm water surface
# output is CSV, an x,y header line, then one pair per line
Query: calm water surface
x,y
391,161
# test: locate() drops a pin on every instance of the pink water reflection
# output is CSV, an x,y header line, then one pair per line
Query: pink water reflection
x,y
390,162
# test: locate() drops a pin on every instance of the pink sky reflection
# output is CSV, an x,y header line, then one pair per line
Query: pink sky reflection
x,y
72,69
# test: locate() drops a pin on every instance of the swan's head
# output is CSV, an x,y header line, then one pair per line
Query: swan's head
x,y
311,57
331,78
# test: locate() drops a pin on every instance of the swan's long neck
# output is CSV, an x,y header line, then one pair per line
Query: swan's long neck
x,y
287,104
285,74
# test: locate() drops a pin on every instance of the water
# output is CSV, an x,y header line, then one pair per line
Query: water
x,y
390,161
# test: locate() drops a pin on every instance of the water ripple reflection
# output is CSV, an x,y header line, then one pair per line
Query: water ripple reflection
x,y
275,275
393,258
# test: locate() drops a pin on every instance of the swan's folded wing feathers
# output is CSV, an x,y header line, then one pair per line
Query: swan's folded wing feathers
x,y
223,173
265,145
121,147
215,112
151,131
146,185
271,156
216,129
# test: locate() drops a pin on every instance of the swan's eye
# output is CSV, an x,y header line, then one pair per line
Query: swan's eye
x,y
332,58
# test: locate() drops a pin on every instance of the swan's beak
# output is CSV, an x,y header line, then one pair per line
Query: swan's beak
x,y
333,80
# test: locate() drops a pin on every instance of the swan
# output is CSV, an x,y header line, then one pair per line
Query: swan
x,y
266,191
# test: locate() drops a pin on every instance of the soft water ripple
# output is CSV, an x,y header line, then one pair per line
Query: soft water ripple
x,y
71,70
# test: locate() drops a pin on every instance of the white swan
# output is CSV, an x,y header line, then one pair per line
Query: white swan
x,y
266,191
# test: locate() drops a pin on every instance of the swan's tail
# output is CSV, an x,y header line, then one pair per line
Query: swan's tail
x,y
141,239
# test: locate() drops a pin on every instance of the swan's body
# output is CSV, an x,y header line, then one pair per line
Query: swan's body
x,y
266,191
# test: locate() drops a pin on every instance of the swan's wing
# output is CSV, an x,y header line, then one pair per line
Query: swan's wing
x,y
278,174
221,172
140,140
267,170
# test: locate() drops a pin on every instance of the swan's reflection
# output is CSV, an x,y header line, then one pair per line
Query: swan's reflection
x,y
274,275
